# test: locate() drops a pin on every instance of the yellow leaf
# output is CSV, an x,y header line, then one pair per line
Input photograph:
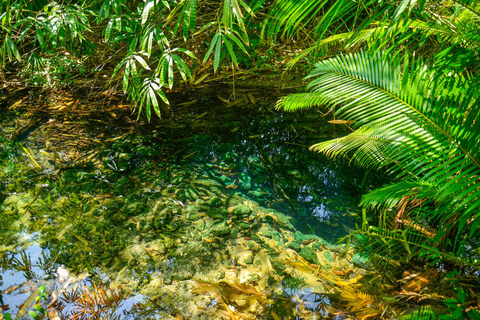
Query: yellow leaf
x,y
341,121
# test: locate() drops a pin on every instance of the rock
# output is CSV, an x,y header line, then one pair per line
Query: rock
x,y
201,205
201,225
159,205
256,308
209,275
121,185
359,260
177,209
220,229
278,218
245,258
240,302
235,199
252,245
215,202
200,202
191,212
190,208
209,224
295,245
147,226
181,275
245,181
328,256
235,231
310,254
157,246
244,225
241,209
163,217
192,216
215,213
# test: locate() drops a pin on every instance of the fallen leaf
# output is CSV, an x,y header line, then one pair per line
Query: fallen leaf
x,y
341,121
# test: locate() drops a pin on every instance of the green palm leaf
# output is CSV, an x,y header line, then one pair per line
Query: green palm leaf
x,y
426,129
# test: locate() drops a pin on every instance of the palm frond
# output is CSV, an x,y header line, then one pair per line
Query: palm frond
x,y
428,129
366,143
389,196
286,18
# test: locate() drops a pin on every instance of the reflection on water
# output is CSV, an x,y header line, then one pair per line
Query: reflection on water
x,y
198,218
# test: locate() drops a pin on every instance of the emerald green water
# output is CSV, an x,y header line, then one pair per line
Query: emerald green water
x,y
163,202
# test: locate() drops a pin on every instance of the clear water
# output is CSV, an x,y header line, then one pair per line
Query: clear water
x,y
83,216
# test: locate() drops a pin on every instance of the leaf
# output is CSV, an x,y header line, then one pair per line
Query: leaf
x,y
40,309
12,48
27,304
205,27
142,61
238,42
104,10
40,38
401,8
338,121
230,50
146,10
462,296
190,16
80,238
213,44
170,72
182,67
155,103
216,59
108,29
409,116
34,315
126,76
185,51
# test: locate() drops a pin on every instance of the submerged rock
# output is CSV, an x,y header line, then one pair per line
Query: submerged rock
x,y
216,213
245,258
241,209
184,274
309,254
191,212
215,202
220,229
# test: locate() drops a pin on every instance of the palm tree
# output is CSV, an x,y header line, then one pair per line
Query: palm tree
x,y
421,126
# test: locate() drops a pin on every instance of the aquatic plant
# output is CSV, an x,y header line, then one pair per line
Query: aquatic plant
x,y
95,302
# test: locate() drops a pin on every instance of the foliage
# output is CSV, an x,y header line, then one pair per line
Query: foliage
x,y
413,120
140,41
147,46
416,118
458,307
407,79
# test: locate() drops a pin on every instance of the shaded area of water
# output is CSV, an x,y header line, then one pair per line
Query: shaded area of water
x,y
162,203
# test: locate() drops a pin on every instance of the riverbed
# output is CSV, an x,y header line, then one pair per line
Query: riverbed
x,y
219,211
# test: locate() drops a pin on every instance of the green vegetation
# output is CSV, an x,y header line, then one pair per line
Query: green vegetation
x,y
403,74
411,95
